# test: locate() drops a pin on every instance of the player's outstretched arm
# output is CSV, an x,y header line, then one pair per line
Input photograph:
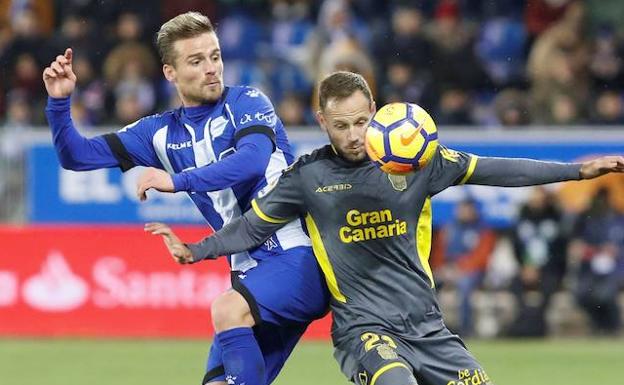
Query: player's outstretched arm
x,y
242,234
75,152
511,172
601,166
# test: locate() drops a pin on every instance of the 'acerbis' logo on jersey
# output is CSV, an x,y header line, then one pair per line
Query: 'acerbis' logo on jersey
x,y
364,226
334,187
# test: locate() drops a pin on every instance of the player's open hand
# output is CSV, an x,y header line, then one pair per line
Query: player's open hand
x,y
59,77
178,250
601,166
156,179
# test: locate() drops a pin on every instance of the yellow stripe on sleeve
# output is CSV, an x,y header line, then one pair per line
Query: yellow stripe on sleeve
x,y
323,259
263,216
471,168
423,238
385,368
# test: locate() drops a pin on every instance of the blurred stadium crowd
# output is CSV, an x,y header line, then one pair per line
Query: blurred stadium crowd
x,y
553,252
470,62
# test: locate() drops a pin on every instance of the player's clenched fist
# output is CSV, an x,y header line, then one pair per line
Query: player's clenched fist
x,y
58,77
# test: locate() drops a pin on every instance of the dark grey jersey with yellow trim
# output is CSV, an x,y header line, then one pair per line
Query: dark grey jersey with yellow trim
x,y
371,231
371,234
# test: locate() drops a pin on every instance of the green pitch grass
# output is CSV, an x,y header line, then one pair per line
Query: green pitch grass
x,y
157,362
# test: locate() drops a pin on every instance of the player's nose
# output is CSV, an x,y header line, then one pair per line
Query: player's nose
x,y
210,68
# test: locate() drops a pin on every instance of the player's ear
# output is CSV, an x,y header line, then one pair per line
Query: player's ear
x,y
373,108
321,120
169,72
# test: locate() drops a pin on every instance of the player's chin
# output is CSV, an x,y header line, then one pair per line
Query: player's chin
x,y
355,156
213,93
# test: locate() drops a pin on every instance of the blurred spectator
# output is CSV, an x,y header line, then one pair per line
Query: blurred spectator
x,y
454,108
598,245
460,257
25,39
501,47
18,119
129,70
135,87
606,63
172,8
128,108
293,34
26,76
406,41
77,32
42,12
336,21
565,110
511,108
90,91
292,110
242,37
606,13
454,63
405,84
345,54
292,46
608,109
558,70
539,15
539,247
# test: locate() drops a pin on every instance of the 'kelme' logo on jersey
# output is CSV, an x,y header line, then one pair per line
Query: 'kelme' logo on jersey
x,y
334,188
364,226
179,146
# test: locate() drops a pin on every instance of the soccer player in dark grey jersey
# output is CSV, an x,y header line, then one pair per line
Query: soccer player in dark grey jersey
x,y
371,234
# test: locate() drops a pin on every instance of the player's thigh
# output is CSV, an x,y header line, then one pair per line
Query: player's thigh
x,y
375,358
442,358
284,289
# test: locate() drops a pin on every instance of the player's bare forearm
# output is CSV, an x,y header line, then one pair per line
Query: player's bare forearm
x,y
513,172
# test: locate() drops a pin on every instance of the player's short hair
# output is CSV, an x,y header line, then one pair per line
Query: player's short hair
x,y
340,85
183,26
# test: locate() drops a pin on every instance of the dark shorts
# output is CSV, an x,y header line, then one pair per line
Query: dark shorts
x,y
285,294
440,358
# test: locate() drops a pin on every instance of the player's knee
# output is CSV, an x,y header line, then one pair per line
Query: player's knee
x,y
230,310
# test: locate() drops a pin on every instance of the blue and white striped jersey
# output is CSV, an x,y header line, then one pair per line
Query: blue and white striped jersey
x,y
186,139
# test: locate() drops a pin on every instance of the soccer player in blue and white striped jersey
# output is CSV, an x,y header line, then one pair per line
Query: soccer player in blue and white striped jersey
x,y
222,146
